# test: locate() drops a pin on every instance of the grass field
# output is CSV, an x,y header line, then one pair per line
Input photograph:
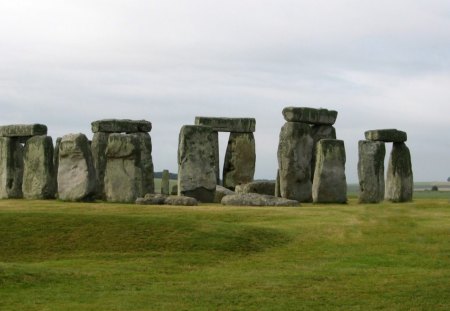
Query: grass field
x,y
76,256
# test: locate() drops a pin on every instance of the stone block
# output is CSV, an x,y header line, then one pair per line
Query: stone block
x,y
121,126
399,180
371,171
236,125
386,135
319,132
310,115
11,168
23,130
255,199
260,187
165,182
98,147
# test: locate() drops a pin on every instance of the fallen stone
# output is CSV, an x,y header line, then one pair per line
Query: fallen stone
x,y
180,200
260,187
38,170
121,126
196,163
319,132
221,192
76,172
330,185
11,168
255,199
387,135
236,125
294,161
23,130
152,199
310,115
98,147
240,160
399,180
371,171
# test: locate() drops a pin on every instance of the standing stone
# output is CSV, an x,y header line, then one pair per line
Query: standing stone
x,y
76,172
38,171
146,162
98,147
399,181
215,145
294,161
371,171
240,159
56,162
123,175
11,168
330,185
319,132
277,185
165,182
196,163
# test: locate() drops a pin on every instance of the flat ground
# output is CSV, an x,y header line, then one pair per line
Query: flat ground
x,y
75,256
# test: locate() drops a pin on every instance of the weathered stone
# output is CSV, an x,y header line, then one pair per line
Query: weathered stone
x,y
98,147
240,159
121,126
152,199
236,125
11,168
174,190
180,200
294,161
255,199
76,172
146,162
123,175
319,132
56,162
277,185
260,187
330,185
221,192
399,181
23,130
215,145
165,181
196,163
38,170
371,171
387,135
310,115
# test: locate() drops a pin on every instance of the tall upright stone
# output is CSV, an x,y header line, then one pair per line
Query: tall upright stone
x,y
399,181
277,185
196,163
11,168
319,132
165,182
371,171
330,185
146,162
215,145
56,162
124,173
240,160
76,172
294,161
98,147
38,174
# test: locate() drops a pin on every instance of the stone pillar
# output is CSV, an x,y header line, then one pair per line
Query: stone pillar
x,y
165,182
371,171
319,132
399,182
240,159
277,185
330,185
215,145
146,162
196,163
56,162
98,147
294,161
11,168
38,174
76,172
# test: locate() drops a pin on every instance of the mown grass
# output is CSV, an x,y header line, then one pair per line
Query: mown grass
x,y
76,256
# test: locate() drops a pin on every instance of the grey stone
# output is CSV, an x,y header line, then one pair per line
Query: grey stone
x,y
221,192
146,162
371,171
319,132
11,168
123,175
76,172
236,125
215,145
330,185
277,185
196,163
121,126
240,160
56,162
255,199
399,181
294,161
260,187
310,115
386,135
180,200
98,147
38,169
174,190
165,181
23,130
152,199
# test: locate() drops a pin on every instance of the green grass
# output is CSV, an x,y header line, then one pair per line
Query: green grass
x,y
80,256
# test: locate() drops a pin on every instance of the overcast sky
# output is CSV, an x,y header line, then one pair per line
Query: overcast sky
x,y
380,64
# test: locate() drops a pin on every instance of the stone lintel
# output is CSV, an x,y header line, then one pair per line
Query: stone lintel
x,y
236,125
310,115
121,126
386,135
23,130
